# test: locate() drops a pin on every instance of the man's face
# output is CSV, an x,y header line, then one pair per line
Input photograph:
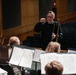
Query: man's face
x,y
49,17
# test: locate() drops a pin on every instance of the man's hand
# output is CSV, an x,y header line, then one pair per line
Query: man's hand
x,y
53,36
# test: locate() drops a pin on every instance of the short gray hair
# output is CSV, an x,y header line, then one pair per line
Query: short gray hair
x,y
52,13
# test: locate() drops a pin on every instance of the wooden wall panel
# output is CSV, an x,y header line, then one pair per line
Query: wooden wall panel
x,y
0,17
68,17
32,16
61,7
63,13
36,8
36,11
24,21
30,8
30,20
24,8
29,17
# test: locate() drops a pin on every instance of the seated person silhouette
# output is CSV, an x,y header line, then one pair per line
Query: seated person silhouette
x,y
53,47
54,68
12,41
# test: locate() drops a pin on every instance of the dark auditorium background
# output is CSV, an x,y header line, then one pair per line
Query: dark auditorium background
x,y
20,16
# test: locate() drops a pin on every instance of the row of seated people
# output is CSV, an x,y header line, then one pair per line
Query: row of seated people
x,y
52,47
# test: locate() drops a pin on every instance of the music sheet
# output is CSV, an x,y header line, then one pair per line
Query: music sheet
x,y
16,56
3,72
69,63
37,54
22,57
26,60
67,60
